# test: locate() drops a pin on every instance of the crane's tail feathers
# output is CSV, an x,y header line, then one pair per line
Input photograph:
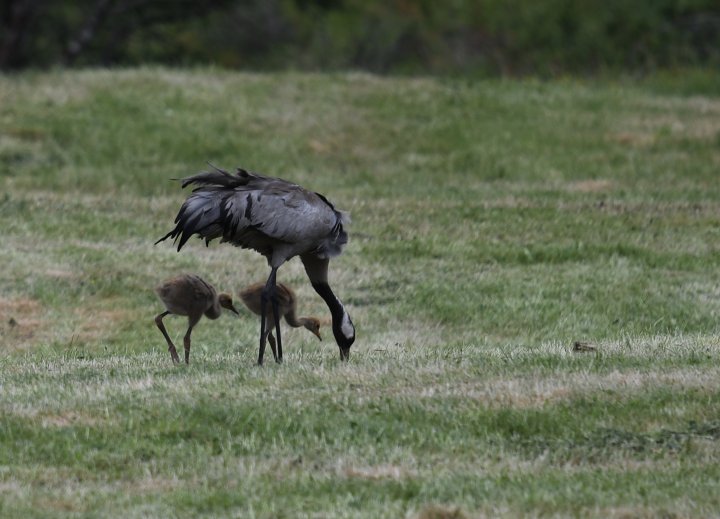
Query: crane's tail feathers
x,y
220,178
241,172
219,170
200,215
174,235
168,235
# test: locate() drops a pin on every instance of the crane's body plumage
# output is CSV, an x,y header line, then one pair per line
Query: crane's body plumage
x,y
279,220
274,217
189,295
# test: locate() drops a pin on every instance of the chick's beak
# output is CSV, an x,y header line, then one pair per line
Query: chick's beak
x,y
317,334
233,309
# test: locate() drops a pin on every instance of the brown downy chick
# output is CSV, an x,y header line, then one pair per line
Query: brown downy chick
x,y
287,307
194,297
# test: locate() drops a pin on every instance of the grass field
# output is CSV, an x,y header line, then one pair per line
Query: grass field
x,y
494,223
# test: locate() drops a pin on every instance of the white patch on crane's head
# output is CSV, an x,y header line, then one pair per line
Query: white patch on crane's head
x,y
346,326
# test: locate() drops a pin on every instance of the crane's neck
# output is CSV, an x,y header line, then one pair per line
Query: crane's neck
x,y
342,325
214,311
293,320
316,268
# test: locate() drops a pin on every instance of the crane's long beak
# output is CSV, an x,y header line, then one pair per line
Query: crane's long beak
x,y
345,354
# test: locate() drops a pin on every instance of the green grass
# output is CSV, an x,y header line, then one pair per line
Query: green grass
x,y
494,223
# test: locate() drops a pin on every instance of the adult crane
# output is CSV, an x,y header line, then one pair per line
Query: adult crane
x,y
277,219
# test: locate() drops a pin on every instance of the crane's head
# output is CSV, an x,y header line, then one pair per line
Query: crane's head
x,y
344,332
342,326
312,324
226,301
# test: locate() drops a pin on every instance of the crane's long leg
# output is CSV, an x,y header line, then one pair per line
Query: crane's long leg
x,y
171,346
186,341
268,293
276,314
271,339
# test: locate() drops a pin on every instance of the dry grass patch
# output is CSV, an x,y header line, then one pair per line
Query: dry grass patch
x,y
68,419
405,338
440,512
634,139
58,504
536,391
96,324
591,186
641,347
648,129
23,323
641,512
21,307
377,472
152,485
56,417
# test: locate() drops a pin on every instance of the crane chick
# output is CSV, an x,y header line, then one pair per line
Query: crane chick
x,y
287,306
192,296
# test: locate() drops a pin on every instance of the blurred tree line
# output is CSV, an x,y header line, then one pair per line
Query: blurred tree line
x,y
511,37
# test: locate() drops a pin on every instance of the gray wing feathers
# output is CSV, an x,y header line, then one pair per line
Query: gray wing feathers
x,y
291,217
253,211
